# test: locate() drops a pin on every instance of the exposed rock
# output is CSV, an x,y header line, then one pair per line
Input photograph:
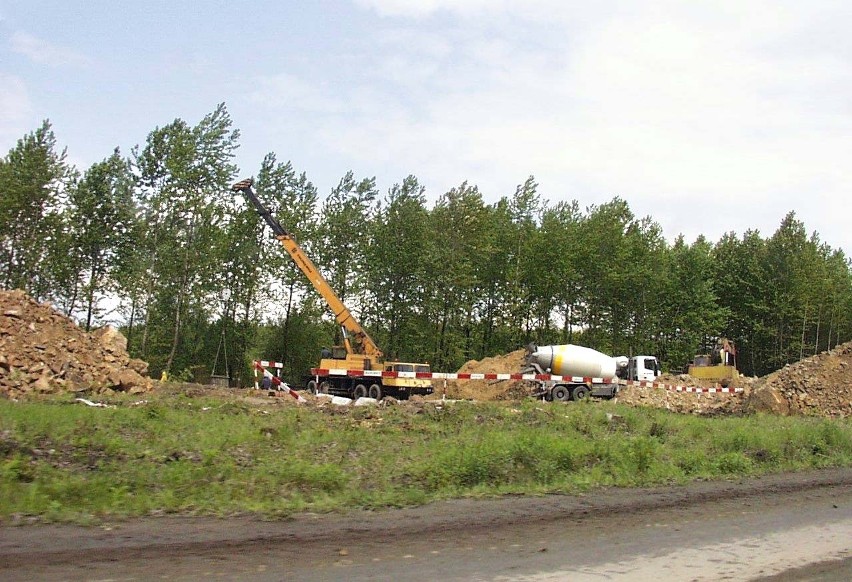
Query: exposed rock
x,y
42,351
820,385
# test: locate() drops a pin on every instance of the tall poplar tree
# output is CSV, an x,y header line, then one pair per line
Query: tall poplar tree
x,y
34,177
397,270
345,230
101,216
183,172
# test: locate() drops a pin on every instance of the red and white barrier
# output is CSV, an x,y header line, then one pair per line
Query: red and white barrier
x,y
455,375
260,365
276,381
679,388
501,376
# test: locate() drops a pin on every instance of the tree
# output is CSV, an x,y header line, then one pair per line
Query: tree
x,y
345,230
522,267
460,224
397,272
554,270
101,217
788,283
689,310
183,172
293,199
34,177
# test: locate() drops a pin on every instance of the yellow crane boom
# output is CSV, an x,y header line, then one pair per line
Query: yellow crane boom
x,y
352,330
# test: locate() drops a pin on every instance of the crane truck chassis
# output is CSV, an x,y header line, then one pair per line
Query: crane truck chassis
x,y
377,377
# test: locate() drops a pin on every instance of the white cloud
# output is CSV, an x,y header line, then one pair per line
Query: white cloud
x,y
709,116
286,90
45,53
15,111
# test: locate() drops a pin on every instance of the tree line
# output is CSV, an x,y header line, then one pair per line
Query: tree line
x,y
157,241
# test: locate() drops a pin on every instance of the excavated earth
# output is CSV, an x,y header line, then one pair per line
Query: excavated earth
x,y
820,385
817,386
44,352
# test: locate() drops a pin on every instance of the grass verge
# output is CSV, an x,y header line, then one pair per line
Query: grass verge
x,y
61,461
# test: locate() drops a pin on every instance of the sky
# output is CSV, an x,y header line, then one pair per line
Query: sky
x,y
708,116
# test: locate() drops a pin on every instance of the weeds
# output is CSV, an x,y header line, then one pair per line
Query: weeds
x,y
194,455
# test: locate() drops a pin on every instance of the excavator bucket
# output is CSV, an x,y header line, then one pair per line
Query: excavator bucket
x,y
242,185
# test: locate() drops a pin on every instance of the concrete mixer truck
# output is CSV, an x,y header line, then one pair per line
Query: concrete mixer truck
x,y
585,372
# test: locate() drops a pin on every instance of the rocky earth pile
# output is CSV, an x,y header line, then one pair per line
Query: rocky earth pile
x,y
513,362
510,363
703,403
818,386
42,351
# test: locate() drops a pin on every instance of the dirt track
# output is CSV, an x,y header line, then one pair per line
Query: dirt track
x,y
594,536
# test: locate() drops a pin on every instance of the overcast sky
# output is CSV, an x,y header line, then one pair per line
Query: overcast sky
x,y
708,116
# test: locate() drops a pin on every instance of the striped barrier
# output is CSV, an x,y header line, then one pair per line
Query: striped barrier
x,y
276,381
679,388
260,365
528,377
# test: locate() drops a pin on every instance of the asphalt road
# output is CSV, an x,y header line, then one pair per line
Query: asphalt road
x,y
781,528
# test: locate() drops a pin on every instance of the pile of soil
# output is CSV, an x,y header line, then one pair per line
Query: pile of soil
x,y
820,385
510,363
44,352
702,403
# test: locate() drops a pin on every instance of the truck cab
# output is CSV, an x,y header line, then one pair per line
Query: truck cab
x,y
642,368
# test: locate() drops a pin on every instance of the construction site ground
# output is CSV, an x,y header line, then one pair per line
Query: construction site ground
x,y
43,352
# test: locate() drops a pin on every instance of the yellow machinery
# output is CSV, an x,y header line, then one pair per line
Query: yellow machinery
x,y
359,352
720,365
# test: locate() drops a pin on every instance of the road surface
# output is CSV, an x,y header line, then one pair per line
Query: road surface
x,y
778,528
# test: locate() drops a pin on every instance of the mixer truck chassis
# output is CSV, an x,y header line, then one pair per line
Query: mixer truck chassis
x,y
563,392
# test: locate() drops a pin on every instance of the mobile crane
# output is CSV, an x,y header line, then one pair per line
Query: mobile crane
x,y
359,352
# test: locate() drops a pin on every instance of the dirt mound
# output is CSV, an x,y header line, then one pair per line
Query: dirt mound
x,y
510,363
42,351
820,386
817,386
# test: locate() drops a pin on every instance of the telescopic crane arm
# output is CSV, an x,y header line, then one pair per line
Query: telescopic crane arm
x,y
351,328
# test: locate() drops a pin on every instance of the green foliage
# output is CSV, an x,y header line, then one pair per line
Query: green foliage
x,y
175,453
102,219
193,270
34,178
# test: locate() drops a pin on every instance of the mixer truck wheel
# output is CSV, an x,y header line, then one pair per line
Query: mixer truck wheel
x,y
375,391
360,391
312,387
580,392
560,393
323,387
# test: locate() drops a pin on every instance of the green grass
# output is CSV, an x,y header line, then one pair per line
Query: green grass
x,y
63,461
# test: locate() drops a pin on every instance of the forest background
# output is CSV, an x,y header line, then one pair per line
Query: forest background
x,y
156,243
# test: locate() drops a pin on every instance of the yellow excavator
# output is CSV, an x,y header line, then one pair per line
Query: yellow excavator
x,y
359,352
720,365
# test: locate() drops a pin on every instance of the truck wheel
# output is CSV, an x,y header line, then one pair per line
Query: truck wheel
x,y
312,387
375,391
580,393
560,393
324,387
360,391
